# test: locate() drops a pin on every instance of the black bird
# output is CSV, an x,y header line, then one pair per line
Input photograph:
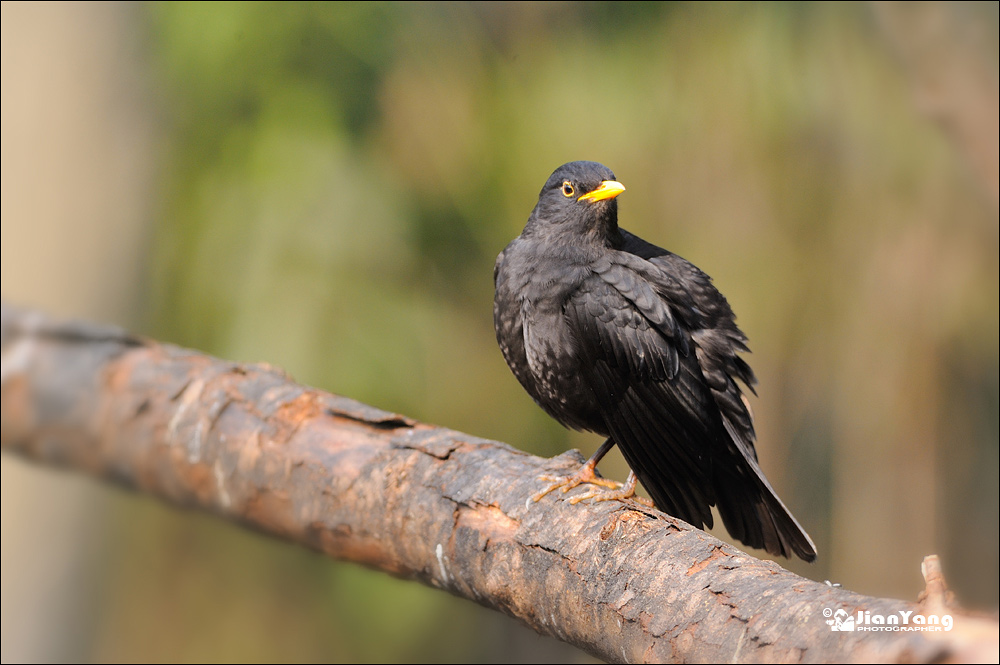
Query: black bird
x,y
611,334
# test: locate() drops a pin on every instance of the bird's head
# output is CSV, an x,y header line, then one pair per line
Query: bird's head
x,y
578,199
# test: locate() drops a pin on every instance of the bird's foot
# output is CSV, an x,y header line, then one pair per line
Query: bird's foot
x,y
586,475
619,492
623,492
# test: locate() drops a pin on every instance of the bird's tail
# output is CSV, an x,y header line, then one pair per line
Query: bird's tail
x,y
764,522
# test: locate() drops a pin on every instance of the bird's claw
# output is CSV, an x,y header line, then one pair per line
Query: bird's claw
x,y
585,475
623,492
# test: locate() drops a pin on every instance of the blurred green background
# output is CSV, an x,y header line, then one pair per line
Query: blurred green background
x,y
324,187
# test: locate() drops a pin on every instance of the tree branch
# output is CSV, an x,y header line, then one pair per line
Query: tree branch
x,y
621,581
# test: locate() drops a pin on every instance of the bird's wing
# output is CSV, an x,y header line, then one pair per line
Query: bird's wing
x,y
703,311
636,361
660,346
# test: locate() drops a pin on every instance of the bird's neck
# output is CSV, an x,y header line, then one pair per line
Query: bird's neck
x,y
604,232
601,231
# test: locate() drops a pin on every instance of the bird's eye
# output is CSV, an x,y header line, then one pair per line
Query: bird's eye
x,y
567,189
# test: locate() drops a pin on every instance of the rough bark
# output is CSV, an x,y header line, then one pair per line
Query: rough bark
x,y
622,581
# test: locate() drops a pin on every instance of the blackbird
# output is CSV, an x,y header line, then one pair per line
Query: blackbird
x,y
611,334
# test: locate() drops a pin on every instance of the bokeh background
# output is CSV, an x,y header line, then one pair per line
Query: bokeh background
x,y
324,187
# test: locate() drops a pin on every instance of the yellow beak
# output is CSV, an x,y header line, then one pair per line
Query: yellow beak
x,y
609,189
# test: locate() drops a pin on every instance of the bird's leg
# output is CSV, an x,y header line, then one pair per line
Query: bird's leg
x,y
586,474
626,491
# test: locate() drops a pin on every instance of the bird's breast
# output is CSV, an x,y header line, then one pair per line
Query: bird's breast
x,y
535,338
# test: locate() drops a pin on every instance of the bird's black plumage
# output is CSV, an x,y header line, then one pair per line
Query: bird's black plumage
x,y
611,334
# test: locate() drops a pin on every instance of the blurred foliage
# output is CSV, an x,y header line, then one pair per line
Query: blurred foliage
x,y
339,177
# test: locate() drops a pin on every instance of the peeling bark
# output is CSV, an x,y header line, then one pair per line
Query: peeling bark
x,y
622,581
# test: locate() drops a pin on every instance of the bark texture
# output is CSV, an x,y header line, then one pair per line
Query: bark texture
x,y
623,582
